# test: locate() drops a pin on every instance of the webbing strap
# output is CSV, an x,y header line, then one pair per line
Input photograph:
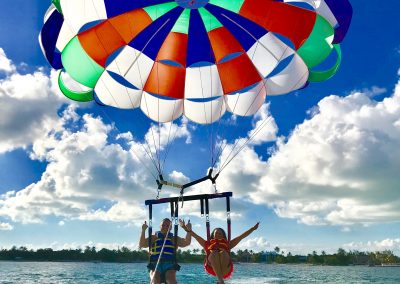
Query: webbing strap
x,y
228,217
207,219
150,225
176,232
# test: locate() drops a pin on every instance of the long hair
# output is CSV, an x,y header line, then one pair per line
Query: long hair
x,y
222,230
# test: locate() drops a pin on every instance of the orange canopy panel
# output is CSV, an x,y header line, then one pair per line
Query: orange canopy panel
x,y
102,40
166,80
293,22
174,48
237,74
223,43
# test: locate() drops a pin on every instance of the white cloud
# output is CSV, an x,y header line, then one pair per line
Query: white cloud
x,y
5,227
264,128
340,166
86,177
160,136
377,245
178,177
119,212
83,169
256,244
6,64
28,107
76,245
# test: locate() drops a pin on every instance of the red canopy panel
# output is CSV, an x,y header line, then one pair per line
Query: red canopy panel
x,y
223,43
237,74
102,40
166,80
290,21
174,48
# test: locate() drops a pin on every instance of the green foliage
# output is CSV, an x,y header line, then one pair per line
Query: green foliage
x,y
124,254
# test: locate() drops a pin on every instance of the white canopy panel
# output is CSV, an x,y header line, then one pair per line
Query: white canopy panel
x,y
291,78
247,103
77,13
133,65
321,8
161,110
205,112
267,52
202,82
112,93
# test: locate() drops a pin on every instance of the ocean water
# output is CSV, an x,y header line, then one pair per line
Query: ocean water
x,y
108,273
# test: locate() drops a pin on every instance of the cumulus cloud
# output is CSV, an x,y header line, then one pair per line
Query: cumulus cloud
x,y
264,128
82,246
5,227
6,64
338,167
256,244
28,106
377,245
86,178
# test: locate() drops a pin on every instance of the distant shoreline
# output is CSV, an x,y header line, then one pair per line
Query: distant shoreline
x,y
200,263
125,255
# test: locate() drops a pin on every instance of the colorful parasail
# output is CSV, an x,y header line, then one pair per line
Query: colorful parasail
x,y
197,58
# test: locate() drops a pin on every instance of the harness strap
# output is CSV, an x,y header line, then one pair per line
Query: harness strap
x,y
228,217
176,232
207,219
150,225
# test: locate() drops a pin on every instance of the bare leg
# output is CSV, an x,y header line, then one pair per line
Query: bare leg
x,y
220,263
157,278
170,276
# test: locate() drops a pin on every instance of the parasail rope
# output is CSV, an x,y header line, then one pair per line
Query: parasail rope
x,y
221,149
148,151
154,141
134,153
169,143
258,129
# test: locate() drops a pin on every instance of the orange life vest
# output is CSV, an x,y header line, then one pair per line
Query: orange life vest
x,y
220,244
214,244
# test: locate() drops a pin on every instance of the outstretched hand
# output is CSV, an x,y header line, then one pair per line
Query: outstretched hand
x,y
144,226
186,227
255,227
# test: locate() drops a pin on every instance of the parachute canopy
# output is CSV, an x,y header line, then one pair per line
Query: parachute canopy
x,y
198,58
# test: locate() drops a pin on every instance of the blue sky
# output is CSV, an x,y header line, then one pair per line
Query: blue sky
x,y
322,175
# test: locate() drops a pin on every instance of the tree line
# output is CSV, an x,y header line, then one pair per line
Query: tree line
x,y
124,254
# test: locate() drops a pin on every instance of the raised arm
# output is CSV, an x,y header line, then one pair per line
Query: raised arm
x,y
143,241
184,242
237,240
188,228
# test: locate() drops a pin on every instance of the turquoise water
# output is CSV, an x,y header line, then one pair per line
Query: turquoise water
x,y
59,272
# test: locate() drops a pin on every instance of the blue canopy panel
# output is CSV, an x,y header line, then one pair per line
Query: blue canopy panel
x,y
117,7
150,40
199,46
244,30
343,13
49,36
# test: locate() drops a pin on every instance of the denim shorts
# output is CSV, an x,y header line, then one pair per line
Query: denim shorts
x,y
163,267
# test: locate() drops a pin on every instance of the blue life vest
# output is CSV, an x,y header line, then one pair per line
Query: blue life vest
x,y
169,248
